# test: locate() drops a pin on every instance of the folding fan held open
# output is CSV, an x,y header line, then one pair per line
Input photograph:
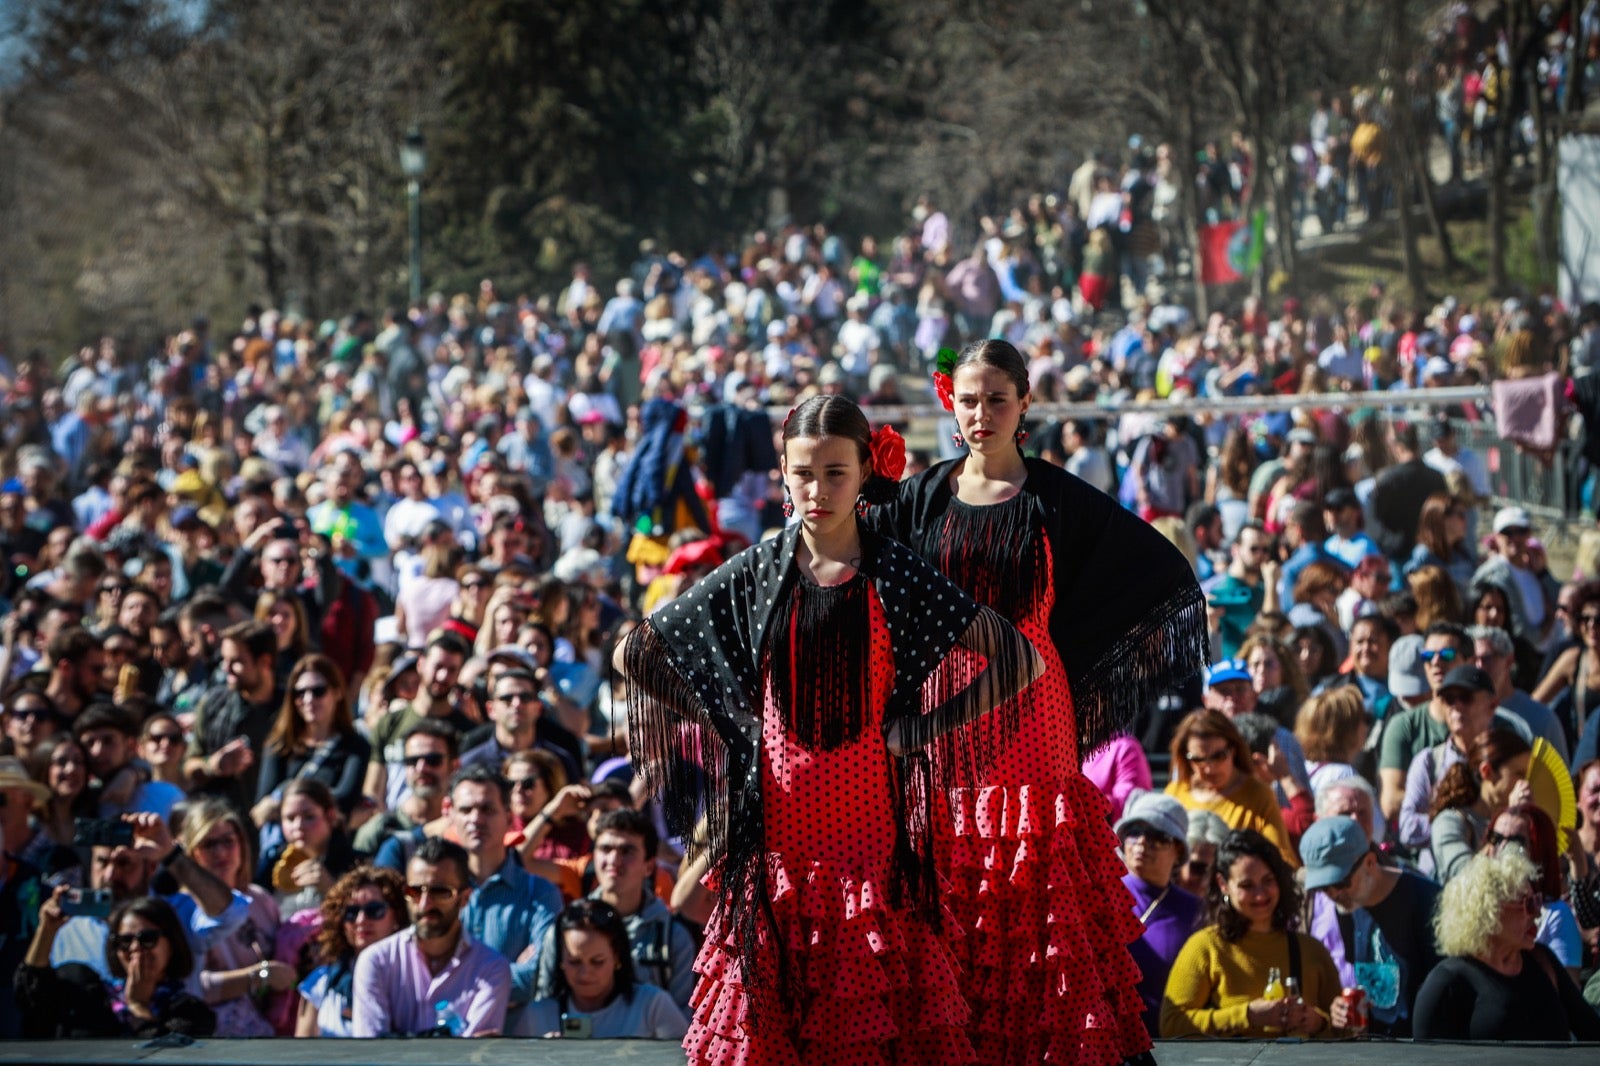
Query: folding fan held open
x,y
1552,789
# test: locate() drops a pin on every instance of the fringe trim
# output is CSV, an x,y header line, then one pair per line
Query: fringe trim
x,y
675,748
944,744
1006,580
1169,646
695,773
824,696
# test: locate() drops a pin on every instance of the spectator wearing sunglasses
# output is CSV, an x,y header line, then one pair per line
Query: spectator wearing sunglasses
x,y
1212,771
364,906
314,737
432,976
1496,982
1467,696
1153,832
1405,735
1206,834
1386,938
1471,794
30,720
148,960
1525,826
511,909
429,753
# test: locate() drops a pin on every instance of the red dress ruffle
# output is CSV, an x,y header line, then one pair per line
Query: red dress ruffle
x,y
1036,885
866,982
1035,881
877,987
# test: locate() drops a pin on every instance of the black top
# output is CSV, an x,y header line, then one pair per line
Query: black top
x,y
342,768
71,1002
1129,620
1395,510
1405,916
1464,999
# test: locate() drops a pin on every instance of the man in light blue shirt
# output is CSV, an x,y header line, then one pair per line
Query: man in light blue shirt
x,y
208,909
510,908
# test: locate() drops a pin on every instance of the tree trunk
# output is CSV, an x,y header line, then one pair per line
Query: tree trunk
x,y
1577,47
1500,150
1190,202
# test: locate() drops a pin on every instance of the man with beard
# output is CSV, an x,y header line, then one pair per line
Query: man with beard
x,y
511,909
232,722
208,910
109,735
433,974
429,753
518,713
77,660
201,623
440,669
625,844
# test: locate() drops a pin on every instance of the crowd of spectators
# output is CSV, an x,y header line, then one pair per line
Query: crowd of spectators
x,y
305,633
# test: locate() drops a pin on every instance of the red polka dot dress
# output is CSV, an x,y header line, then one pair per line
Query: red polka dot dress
x,y
1035,880
845,977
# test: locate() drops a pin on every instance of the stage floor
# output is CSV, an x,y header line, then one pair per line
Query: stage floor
x,y
641,1053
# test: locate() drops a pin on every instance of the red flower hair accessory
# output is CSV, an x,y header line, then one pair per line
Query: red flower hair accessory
x,y
888,450
943,385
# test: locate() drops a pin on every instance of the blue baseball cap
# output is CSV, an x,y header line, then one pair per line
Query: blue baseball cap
x,y
1330,849
1226,670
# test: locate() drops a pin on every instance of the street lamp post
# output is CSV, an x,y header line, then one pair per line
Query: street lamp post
x,y
413,161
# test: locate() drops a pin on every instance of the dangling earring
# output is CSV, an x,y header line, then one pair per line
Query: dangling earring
x,y
862,505
958,440
1022,436
788,506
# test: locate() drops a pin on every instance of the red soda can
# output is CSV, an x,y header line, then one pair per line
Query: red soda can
x,y
1356,1000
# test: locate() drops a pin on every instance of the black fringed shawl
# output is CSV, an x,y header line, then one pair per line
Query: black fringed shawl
x,y
695,702
1129,618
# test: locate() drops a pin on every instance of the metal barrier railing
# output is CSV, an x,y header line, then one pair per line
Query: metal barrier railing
x,y
1226,405
1548,490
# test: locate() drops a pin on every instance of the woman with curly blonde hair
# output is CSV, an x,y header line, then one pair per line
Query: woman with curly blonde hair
x,y
1496,983
364,906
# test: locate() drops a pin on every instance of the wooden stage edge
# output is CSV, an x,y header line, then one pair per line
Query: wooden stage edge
x,y
645,1053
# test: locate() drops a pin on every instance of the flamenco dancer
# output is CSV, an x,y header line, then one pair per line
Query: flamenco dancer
x,y
1116,614
783,697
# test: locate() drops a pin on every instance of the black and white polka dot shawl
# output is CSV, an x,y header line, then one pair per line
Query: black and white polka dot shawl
x,y
695,699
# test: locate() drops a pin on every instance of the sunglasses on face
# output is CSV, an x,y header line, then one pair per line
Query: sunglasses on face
x,y
1495,840
1532,903
113,590
28,714
417,892
1444,655
1151,837
473,584
432,760
165,738
316,692
518,697
1221,755
1197,869
145,938
1587,619
527,784
373,909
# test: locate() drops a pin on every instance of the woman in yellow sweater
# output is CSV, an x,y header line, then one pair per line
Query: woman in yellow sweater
x,y
1212,771
1218,983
